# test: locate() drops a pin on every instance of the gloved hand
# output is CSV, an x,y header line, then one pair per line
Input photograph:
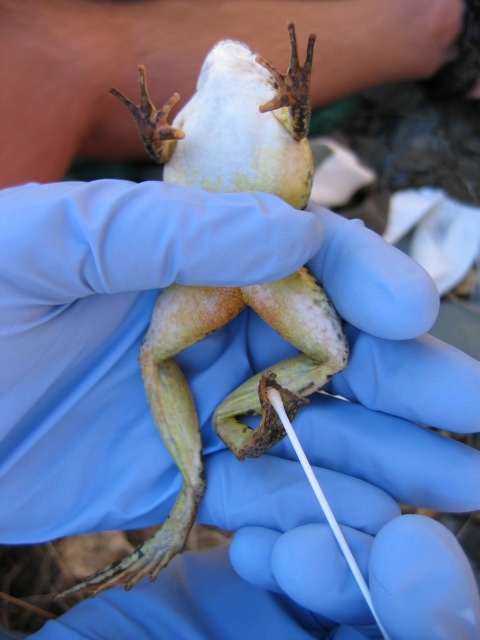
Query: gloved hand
x,y
81,265
199,596
421,583
82,415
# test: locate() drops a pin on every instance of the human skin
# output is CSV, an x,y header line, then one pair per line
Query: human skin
x,y
57,60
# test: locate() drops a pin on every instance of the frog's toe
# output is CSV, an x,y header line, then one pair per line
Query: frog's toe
x,y
293,88
270,431
154,553
158,137
148,559
242,440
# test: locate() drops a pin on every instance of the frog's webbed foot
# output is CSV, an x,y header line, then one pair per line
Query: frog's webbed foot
x,y
298,375
270,430
158,137
150,556
293,87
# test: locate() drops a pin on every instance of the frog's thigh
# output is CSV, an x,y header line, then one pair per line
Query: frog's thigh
x,y
299,309
183,315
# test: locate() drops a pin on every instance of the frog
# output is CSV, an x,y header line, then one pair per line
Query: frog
x,y
244,129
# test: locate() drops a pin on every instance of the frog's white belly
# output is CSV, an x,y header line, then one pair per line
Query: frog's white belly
x,y
230,145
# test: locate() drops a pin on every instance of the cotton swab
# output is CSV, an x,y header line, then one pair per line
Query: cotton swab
x,y
276,402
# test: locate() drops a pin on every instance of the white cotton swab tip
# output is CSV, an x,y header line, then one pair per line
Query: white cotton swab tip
x,y
276,402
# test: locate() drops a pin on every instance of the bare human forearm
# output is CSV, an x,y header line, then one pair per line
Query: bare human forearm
x,y
57,60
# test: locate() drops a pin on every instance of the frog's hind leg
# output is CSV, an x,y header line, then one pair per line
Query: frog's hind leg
x,y
182,316
298,308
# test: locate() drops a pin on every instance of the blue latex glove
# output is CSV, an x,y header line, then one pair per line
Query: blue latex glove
x,y
198,596
81,265
73,397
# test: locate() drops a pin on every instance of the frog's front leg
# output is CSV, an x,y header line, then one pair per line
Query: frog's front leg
x,y
298,308
158,137
291,103
182,316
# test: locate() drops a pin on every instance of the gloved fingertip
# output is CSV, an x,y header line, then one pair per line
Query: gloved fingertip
x,y
373,285
417,566
310,568
250,554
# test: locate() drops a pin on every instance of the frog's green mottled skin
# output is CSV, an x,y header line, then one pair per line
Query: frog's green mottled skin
x,y
264,117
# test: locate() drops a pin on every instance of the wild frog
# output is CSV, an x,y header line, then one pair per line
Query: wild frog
x,y
244,129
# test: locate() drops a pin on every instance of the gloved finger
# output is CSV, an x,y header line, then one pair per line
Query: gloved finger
x,y
197,596
421,582
306,564
413,464
424,380
274,493
87,410
372,284
250,552
68,240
